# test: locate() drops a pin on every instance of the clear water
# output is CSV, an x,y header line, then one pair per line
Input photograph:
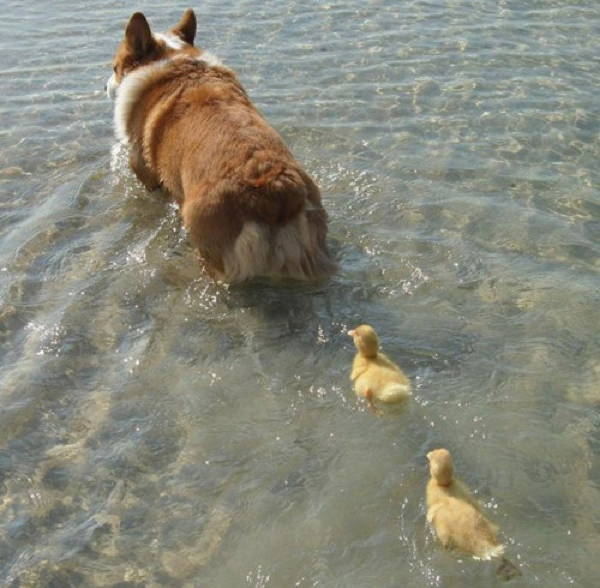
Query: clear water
x,y
159,430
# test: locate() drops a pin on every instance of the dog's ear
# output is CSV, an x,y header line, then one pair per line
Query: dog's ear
x,y
186,27
138,35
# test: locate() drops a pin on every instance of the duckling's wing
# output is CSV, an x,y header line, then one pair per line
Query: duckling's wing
x,y
385,361
359,366
462,491
431,512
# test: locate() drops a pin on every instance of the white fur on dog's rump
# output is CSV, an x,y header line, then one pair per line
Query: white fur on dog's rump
x,y
292,251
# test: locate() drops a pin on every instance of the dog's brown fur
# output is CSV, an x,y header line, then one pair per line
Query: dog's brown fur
x,y
249,207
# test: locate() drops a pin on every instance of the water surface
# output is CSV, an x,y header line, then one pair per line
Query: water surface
x,y
157,429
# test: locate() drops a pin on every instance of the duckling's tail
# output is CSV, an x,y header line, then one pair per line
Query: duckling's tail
x,y
395,393
507,570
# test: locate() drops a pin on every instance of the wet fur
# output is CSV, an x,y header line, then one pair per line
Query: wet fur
x,y
249,207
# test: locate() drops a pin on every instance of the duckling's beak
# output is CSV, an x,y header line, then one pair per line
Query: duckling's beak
x,y
351,333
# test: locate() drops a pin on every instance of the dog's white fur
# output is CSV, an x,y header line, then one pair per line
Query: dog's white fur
x,y
210,58
134,84
172,41
272,251
111,87
128,94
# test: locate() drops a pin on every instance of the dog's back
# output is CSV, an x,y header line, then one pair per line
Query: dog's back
x,y
249,207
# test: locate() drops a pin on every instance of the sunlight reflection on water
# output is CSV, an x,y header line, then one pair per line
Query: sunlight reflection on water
x,y
160,429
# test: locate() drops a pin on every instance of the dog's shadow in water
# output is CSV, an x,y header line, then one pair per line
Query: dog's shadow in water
x,y
309,321
313,318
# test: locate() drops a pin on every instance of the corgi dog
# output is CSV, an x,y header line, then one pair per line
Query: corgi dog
x,y
457,518
375,376
191,129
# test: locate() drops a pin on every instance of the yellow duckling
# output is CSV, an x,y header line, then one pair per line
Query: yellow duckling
x,y
374,375
457,518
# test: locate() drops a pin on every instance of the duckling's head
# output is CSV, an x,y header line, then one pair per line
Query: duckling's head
x,y
365,339
440,466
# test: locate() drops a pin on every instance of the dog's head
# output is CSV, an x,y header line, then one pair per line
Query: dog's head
x,y
141,47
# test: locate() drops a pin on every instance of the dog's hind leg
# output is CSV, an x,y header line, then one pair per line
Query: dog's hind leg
x,y
212,230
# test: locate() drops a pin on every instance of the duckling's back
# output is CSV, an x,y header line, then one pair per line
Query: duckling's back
x,y
382,377
459,523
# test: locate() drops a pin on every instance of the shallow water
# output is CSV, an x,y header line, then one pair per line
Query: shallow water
x,y
159,430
